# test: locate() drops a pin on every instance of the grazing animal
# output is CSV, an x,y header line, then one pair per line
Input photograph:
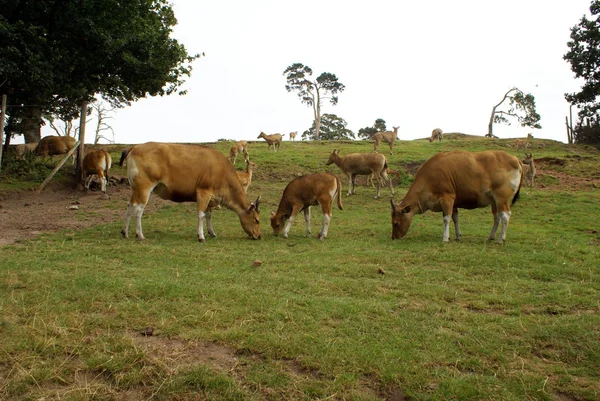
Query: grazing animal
x,y
245,177
436,134
96,162
237,148
529,169
523,143
388,136
55,145
371,179
452,180
23,149
273,140
302,193
293,135
362,164
187,173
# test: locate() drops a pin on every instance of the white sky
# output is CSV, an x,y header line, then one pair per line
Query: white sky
x,y
416,64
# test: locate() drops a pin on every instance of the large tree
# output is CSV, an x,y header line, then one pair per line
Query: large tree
x,y
521,107
57,54
584,57
368,132
313,92
332,128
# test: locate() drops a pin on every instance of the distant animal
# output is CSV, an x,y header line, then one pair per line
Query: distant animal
x,y
237,148
293,135
528,169
388,136
523,143
436,134
452,180
273,140
187,173
23,149
302,193
55,145
245,177
362,164
96,162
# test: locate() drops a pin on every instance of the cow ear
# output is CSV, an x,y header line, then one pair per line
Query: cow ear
x,y
406,209
254,206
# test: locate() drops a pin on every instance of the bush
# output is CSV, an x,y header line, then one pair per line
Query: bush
x,y
30,168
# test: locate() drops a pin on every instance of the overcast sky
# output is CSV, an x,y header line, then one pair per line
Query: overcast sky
x,y
416,64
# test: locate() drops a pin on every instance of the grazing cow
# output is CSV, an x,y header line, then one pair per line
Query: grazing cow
x,y
55,145
388,136
237,148
436,134
187,173
362,164
96,162
452,180
245,177
302,193
273,140
528,169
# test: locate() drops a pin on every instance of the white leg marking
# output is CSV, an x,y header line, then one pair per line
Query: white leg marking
x,y
494,227
325,228
288,225
446,228
201,217
456,228
139,210
128,214
307,220
209,226
504,218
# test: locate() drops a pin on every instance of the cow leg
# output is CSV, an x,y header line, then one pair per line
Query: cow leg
x,y
378,176
350,184
496,221
504,218
326,209
307,220
136,205
202,201
455,220
447,211
288,225
209,226
88,181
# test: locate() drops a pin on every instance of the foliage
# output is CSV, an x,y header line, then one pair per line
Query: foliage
x,y
332,128
588,133
368,132
31,168
583,55
521,107
312,93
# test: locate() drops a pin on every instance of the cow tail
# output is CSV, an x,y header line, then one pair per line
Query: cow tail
x,y
124,156
339,193
516,197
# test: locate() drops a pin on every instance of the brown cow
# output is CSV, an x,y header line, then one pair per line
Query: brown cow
x,y
187,173
237,148
302,193
436,134
96,162
273,140
452,180
388,136
55,145
362,164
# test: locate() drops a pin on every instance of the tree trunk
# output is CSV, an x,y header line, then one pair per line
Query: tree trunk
x,y
491,124
81,150
32,124
2,114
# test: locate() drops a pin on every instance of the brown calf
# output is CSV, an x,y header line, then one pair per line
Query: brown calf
x,y
273,140
388,136
237,148
55,145
436,134
96,162
302,193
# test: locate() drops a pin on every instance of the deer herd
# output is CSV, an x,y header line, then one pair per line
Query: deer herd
x,y
446,182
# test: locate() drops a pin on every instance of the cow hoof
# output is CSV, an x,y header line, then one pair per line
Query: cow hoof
x,y
213,235
140,237
201,240
321,237
123,234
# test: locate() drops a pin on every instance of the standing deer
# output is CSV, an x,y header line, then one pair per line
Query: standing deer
x,y
529,169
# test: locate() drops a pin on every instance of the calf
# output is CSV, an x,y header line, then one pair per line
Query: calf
x,y
293,135
362,164
302,193
237,148
436,134
187,173
452,180
96,162
273,140
245,177
529,169
389,137
55,145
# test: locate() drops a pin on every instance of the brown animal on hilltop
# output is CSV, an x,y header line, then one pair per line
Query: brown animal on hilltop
x,y
187,173
362,164
436,134
452,180
237,148
96,162
388,136
528,169
302,193
55,145
273,140
523,143
293,135
245,177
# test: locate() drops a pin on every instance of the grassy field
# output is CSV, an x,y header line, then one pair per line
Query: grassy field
x,y
355,317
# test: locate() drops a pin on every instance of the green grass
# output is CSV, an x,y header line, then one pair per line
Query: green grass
x,y
467,320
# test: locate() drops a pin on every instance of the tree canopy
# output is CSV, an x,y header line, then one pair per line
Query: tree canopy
x,y
368,132
332,128
312,93
56,54
521,107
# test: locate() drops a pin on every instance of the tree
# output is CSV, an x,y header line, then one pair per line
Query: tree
x,y
102,127
58,54
521,107
313,93
583,55
332,128
368,132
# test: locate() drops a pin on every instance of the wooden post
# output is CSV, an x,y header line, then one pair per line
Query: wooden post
x,y
81,153
58,166
2,115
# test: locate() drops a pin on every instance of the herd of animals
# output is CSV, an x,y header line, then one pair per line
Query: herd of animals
x,y
448,181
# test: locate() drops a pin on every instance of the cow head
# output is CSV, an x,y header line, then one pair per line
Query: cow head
x,y
277,223
401,218
251,220
333,156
